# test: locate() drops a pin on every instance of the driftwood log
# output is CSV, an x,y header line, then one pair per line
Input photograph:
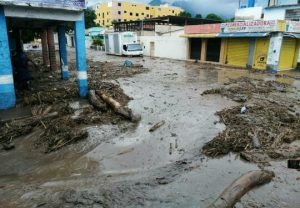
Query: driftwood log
x,y
233,193
118,108
95,101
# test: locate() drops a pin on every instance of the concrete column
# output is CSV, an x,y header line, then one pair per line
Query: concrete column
x,y
251,3
51,49
45,52
81,58
251,55
63,53
7,89
274,52
203,49
223,50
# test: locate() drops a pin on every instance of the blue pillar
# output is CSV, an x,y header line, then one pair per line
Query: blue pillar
x,y
81,58
251,3
7,89
63,53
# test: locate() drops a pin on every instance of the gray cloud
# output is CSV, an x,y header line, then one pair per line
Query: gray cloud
x,y
225,8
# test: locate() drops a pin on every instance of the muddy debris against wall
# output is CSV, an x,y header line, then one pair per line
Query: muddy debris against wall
x,y
57,110
268,127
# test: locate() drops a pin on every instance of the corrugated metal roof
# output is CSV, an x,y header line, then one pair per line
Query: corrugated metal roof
x,y
242,35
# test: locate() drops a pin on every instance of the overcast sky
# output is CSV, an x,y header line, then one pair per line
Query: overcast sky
x,y
225,8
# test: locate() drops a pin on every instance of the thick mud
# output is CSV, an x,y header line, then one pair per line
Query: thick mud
x,y
117,166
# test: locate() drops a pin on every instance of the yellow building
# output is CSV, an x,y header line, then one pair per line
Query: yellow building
x,y
122,11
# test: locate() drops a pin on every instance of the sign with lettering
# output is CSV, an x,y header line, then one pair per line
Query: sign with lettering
x,y
253,26
293,26
293,14
76,4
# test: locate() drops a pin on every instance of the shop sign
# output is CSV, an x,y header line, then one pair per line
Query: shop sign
x,y
77,4
253,26
293,26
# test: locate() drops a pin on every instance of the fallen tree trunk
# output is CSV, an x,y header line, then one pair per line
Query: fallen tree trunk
x,y
118,108
240,187
95,101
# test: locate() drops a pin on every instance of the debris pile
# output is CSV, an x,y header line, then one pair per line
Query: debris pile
x,y
61,115
109,70
243,89
263,131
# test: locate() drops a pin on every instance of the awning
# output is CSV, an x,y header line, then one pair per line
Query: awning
x,y
203,35
292,35
242,35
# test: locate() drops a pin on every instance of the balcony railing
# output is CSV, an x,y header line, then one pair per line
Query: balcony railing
x,y
65,4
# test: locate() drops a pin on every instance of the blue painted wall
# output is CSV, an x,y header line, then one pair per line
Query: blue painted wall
x,y
7,89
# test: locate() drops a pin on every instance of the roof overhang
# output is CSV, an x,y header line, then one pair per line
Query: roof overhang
x,y
292,35
242,35
206,35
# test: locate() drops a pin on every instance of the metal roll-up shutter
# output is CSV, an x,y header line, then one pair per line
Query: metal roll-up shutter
x,y
261,53
287,54
237,51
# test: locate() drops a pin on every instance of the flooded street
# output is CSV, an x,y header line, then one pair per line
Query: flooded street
x,y
138,168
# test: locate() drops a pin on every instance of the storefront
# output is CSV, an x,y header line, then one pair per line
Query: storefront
x,y
271,44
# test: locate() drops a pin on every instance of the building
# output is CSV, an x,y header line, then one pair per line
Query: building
x,y
268,10
123,11
161,36
258,44
259,38
46,16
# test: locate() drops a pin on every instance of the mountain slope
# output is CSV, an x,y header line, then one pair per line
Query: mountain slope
x,y
187,6
156,2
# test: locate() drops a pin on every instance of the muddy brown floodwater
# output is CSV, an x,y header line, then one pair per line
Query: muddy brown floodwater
x,y
117,166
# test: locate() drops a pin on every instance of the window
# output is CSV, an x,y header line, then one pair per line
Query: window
x,y
119,12
130,13
125,12
107,13
103,22
143,14
147,15
119,20
103,15
147,8
173,11
137,14
125,20
119,4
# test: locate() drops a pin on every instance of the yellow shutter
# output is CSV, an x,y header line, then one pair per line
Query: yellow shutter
x,y
237,51
287,53
261,53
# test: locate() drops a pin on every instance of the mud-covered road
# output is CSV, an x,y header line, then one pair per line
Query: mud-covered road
x,y
118,166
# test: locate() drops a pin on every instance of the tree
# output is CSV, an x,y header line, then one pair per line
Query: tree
x,y
212,16
185,14
198,16
89,18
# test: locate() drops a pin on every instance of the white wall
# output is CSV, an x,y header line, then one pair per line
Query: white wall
x,y
173,47
274,14
252,13
145,41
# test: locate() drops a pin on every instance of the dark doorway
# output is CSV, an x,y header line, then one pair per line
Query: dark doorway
x,y
213,49
195,48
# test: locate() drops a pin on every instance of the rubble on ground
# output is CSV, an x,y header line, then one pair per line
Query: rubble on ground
x,y
51,100
243,89
265,130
